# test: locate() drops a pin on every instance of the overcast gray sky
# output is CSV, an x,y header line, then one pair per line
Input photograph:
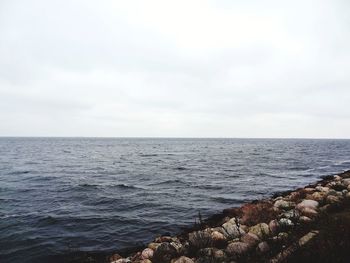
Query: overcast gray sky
x,y
184,68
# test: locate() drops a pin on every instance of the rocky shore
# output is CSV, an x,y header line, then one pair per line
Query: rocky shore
x,y
272,230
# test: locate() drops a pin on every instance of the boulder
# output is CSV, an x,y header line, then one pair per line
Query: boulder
x,y
237,249
153,246
307,203
231,230
182,259
200,239
263,247
250,239
164,253
285,223
333,199
305,219
309,212
147,253
273,226
260,230
285,205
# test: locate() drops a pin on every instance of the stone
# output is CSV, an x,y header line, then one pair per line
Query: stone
x,y
122,260
309,190
147,253
285,223
250,239
162,239
200,239
219,255
115,257
309,212
164,253
347,196
153,246
218,239
263,247
237,249
305,219
291,214
346,182
337,178
307,203
261,230
145,261
332,199
282,204
231,230
318,196
274,226
322,189
182,259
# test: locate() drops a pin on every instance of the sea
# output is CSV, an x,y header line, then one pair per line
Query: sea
x,y
60,196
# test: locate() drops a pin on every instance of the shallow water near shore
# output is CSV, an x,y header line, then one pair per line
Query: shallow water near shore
x,y
59,195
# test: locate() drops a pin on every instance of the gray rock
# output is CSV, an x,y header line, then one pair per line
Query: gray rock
x,y
231,230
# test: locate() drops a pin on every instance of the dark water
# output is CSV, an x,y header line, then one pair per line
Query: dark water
x,y
61,195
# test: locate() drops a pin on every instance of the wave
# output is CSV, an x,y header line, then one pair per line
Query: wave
x,y
19,172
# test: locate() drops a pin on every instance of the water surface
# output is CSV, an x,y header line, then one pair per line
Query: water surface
x,y
58,195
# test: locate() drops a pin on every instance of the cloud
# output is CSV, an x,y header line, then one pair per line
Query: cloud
x,y
184,68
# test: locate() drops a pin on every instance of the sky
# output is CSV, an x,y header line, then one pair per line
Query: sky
x,y
184,68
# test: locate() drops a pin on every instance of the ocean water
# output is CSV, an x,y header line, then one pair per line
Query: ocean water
x,y
59,195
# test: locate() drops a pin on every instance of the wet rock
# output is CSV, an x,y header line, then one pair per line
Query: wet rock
x,y
182,259
263,247
237,249
337,178
307,203
200,239
309,190
164,253
147,253
261,230
250,239
285,205
231,230
177,245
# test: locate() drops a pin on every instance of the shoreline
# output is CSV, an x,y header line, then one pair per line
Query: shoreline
x,y
267,230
